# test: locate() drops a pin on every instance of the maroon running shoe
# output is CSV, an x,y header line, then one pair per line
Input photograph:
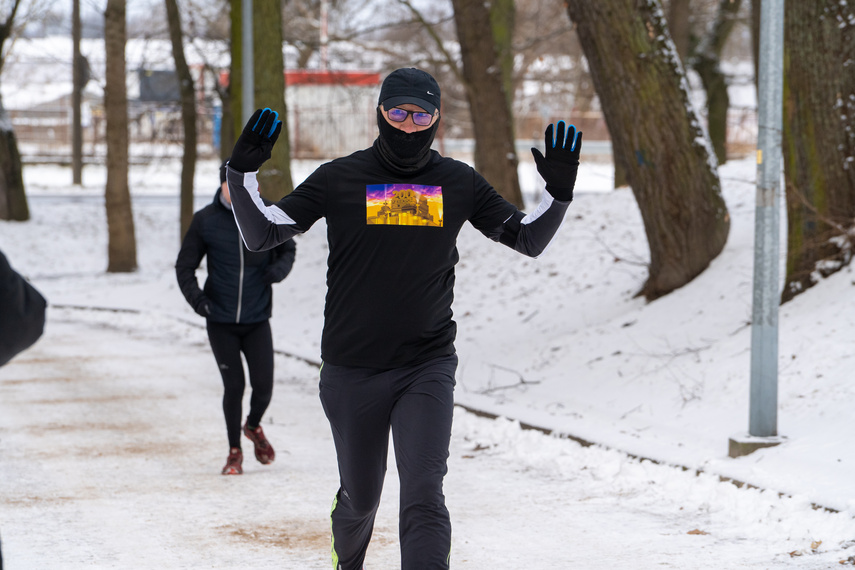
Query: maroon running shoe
x,y
234,462
263,450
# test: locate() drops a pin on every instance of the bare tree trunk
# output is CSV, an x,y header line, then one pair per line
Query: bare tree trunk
x,y
235,110
718,102
13,199
621,179
495,153
755,38
650,118
76,97
680,27
818,140
227,123
121,247
188,115
502,22
274,178
707,62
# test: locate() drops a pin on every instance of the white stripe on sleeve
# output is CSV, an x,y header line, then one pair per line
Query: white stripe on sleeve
x,y
273,213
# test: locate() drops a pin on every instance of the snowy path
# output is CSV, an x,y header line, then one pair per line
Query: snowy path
x,y
111,441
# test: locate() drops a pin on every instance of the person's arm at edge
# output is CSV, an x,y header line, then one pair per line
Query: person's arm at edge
x,y
262,227
190,255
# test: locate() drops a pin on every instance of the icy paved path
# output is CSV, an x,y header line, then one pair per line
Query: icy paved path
x,y
111,441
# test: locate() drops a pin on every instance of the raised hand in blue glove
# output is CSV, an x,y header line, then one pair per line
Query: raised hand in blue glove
x,y
558,168
256,141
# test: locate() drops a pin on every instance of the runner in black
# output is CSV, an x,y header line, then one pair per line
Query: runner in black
x,y
236,303
393,213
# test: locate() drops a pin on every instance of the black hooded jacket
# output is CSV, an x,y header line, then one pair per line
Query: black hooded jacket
x,y
238,288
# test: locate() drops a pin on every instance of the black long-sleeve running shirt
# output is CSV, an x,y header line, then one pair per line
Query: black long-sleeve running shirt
x,y
392,248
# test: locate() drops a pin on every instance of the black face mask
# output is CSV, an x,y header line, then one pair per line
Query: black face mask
x,y
400,151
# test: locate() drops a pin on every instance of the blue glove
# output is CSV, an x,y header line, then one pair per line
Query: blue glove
x,y
256,141
559,166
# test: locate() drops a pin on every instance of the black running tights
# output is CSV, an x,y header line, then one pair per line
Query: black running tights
x,y
228,341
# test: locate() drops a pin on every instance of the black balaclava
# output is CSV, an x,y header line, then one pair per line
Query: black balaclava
x,y
400,151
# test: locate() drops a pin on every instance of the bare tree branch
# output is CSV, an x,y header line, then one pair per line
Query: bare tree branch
x,y
6,30
429,28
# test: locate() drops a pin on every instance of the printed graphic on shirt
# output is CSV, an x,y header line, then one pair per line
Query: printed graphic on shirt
x,y
403,205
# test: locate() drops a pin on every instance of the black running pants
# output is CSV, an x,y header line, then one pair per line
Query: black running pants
x,y
417,404
228,341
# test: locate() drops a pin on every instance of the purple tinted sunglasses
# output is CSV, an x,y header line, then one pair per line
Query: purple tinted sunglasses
x,y
420,118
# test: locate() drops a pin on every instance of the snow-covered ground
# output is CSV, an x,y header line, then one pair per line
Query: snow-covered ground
x,y
111,435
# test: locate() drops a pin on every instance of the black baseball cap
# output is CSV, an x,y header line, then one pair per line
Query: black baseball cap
x,y
410,85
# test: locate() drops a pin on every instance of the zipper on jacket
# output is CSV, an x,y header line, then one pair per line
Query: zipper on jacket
x,y
240,282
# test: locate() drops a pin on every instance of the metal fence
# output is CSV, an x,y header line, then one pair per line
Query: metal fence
x,y
154,131
317,131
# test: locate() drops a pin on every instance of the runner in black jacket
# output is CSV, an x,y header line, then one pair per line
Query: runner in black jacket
x,y
393,213
237,302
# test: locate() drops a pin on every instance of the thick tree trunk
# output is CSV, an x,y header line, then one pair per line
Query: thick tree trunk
x,y
121,247
13,199
274,178
227,124
707,62
188,115
645,101
680,26
235,110
818,140
755,38
495,153
718,102
502,22
620,171
76,97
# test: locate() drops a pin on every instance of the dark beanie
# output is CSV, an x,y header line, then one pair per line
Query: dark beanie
x,y
223,171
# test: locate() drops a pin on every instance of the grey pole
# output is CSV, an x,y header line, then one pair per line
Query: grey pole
x,y
764,322
247,61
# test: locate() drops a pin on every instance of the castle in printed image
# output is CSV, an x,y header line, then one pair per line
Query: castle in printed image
x,y
404,205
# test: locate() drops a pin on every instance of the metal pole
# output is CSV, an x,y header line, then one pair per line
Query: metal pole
x,y
247,61
764,323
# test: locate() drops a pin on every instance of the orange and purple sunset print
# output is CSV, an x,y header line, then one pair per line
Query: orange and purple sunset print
x,y
403,205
